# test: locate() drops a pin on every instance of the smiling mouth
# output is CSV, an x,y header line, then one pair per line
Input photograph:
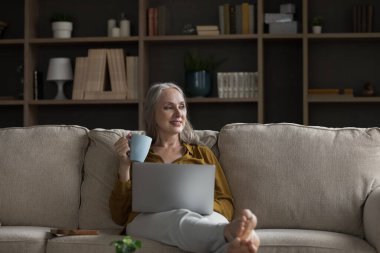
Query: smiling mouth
x,y
176,122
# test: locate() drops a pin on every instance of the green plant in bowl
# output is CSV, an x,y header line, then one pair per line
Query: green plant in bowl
x,y
61,17
126,245
317,21
195,62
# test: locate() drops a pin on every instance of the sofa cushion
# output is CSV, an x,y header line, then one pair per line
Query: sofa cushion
x,y
41,172
295,176
209,138
100,173
101,244
310,241
20,239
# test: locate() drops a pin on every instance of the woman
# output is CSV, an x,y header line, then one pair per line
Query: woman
x,y
175,142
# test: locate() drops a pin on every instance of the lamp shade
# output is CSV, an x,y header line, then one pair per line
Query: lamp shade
x,y
59,69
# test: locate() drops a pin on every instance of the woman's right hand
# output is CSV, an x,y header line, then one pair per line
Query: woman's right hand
x,y
122,149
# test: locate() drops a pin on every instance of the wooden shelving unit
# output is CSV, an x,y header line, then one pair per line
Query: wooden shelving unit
x,y
287,64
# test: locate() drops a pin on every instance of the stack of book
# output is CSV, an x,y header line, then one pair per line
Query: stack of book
x,y
236,18
282,22
157,19
237,84
207,30
103,75
362,18
331,92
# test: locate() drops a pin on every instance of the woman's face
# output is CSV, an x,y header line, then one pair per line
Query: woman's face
x,y
170,112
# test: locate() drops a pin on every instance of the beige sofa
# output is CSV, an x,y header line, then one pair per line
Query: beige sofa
x,y
313,189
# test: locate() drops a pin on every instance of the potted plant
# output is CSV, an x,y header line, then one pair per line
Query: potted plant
x,y
317,24
126,245
62,25
198,73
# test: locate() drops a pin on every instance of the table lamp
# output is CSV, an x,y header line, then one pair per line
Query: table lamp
x,y
60,71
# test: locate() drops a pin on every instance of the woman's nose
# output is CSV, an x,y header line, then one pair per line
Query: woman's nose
x,y
177,111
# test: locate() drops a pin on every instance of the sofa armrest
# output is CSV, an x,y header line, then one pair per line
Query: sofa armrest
x,y
371,218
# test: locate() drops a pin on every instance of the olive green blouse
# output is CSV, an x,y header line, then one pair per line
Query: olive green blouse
x,y
120,201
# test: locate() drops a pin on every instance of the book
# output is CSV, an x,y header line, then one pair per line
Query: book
x,y
245,17
96,70
232,19
132,76
116,66
38,85
277,17
210,32
283,27
206,27
221,19
359,18
68,231
226,19
325,91
105,95
251,18
238,18
150,21
355,18
364,18
80,75
163,20
370,18
155,21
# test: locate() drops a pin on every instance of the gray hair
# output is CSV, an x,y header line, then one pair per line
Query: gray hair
x,y
151,100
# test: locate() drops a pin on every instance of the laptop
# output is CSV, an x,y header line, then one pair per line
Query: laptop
x,y
159,187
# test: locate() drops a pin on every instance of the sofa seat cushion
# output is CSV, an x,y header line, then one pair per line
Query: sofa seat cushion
x,y
41,174
20,239
302,177
101,244
313,241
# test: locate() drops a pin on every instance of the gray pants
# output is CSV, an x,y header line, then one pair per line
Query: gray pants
x,y
182,228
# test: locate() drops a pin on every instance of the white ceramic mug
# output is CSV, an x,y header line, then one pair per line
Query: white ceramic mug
x,y
140,145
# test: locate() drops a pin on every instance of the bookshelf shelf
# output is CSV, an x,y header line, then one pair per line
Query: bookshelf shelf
x,y
11,42
282,36
83,40
342,99
343,36
200,38
11,102
222,100
286,63
80,102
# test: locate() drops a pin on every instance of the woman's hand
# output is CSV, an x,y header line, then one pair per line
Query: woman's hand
x,y
122,149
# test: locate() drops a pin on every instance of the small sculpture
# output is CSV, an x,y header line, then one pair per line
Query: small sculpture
x,y
368,89
189,29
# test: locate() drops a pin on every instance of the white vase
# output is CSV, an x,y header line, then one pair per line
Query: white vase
x,y
62,29
317,29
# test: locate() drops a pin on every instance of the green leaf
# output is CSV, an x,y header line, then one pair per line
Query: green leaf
x,y
126,245
194,61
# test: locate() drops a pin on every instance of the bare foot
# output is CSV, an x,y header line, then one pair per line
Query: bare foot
x,y
241,227
237,246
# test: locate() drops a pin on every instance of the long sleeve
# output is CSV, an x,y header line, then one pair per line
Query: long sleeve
x,y
120,202
223,202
